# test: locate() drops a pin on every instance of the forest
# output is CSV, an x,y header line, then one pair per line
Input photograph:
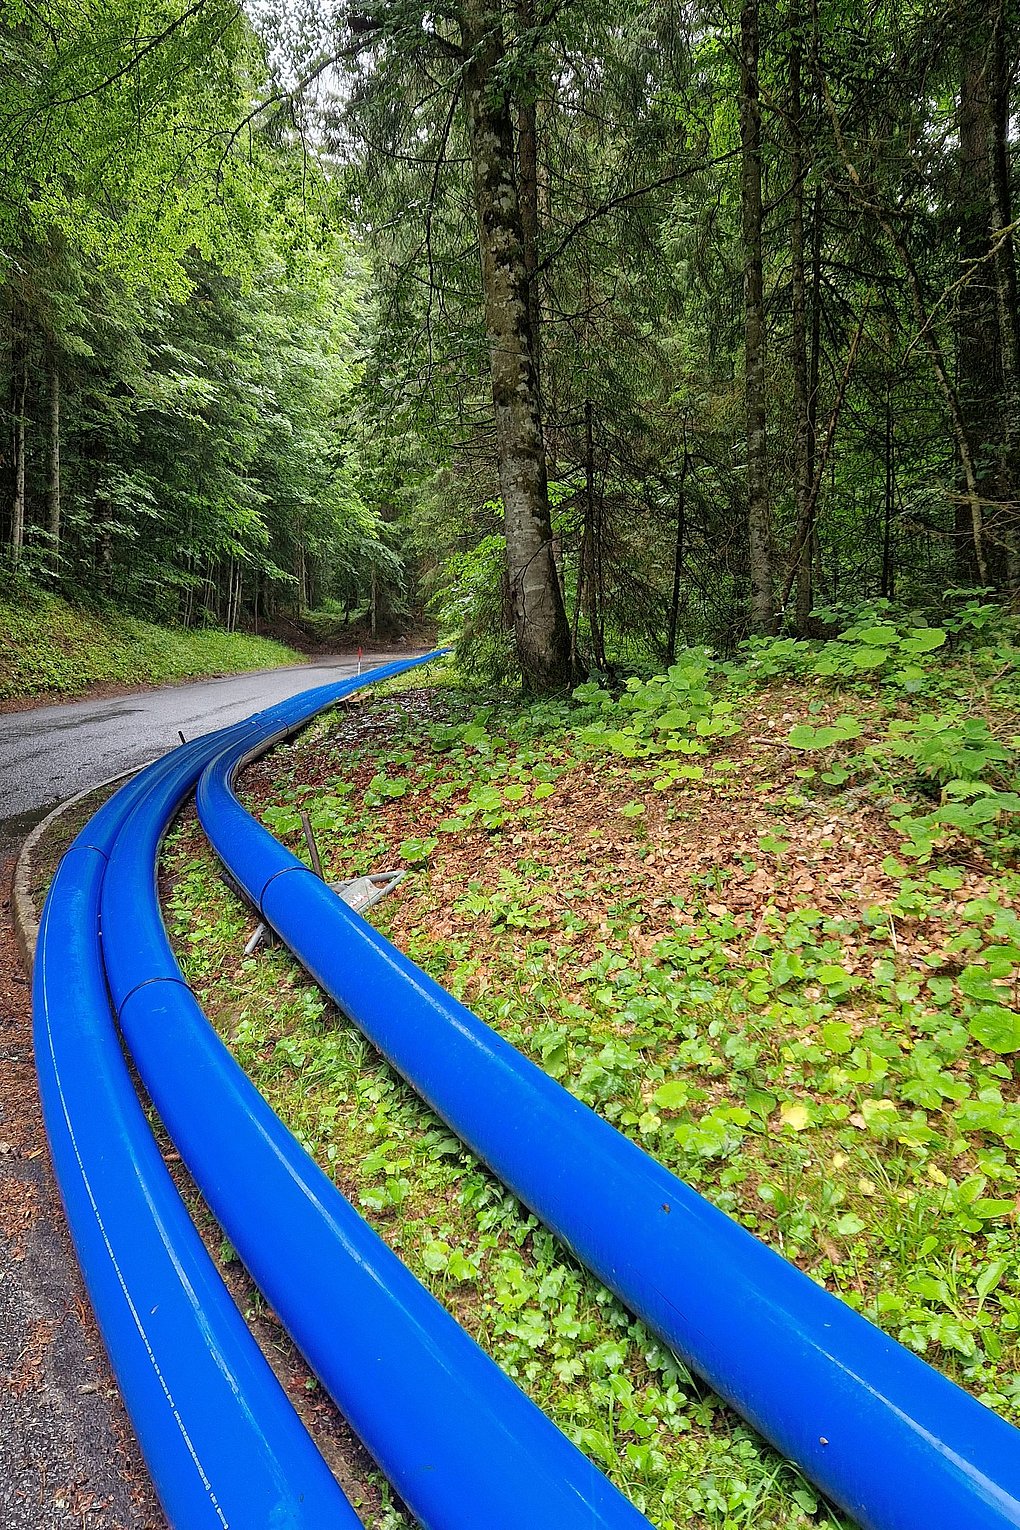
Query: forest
x,y
584,332
661,359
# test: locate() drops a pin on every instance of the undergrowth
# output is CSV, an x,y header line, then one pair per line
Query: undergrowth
x,y
49,646
761,914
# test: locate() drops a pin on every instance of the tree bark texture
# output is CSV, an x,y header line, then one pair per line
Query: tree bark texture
x,y
19,393
888,564
527,163
678,557
53,465
758,529
1003,245
977,338
803,466
541,633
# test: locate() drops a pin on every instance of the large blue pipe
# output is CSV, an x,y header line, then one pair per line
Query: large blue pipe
x,y
884,1435
461,1443
221,1439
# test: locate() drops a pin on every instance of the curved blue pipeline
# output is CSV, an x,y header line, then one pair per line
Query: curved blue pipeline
x,y
884,1435
461,1443
222,1441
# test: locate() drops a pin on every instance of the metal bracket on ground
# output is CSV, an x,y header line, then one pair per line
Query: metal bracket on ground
x,y
360,893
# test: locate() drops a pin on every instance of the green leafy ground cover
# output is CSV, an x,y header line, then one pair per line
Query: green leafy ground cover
x,y
49,646
761,915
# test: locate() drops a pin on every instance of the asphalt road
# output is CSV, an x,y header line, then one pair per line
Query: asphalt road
x,y
49,753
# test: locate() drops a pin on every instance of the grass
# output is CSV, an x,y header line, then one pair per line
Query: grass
x,y
50,849
707,908
48,647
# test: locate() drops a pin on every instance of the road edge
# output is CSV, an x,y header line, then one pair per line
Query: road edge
x,y
23,909
104,690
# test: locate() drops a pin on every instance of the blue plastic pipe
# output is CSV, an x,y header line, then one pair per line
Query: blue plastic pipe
x,y
885,1436
461,1443
221,1439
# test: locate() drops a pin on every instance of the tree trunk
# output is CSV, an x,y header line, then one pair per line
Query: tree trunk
x,y
19,392
585,561
926,332
888,568
760,552
678,558
540,626
802,444
808,581
527,162
53,466
977,339
105,547
1001,209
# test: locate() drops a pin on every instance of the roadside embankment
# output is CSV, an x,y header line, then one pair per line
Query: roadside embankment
x,y
51,648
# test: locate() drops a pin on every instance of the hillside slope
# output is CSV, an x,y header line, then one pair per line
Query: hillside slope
x,y
50,647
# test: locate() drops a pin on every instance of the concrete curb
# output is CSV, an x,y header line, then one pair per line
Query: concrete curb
x,y
23,909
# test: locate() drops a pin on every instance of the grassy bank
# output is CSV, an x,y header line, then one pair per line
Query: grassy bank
x,y
48,647
763,917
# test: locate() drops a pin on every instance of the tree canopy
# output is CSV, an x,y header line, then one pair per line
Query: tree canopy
x,y
591,330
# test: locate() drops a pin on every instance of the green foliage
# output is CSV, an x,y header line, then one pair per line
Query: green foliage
x,y
116,123
882,644
603,1378
470,609
852,1105
48,646
179,286
809,738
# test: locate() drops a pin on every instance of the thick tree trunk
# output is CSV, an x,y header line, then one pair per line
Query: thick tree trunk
x,y
527,163
587,594
759,541
813,580
53,465
540,625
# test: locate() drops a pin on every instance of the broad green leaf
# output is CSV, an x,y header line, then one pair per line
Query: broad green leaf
x,y
672,1095
925,639
836,1037
996,1028
976,983
868,658
989,1277
760,1102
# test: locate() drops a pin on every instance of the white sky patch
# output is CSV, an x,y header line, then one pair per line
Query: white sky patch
x,y
297,34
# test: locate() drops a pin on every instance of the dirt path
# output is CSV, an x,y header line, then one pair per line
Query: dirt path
x,y
67,1457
